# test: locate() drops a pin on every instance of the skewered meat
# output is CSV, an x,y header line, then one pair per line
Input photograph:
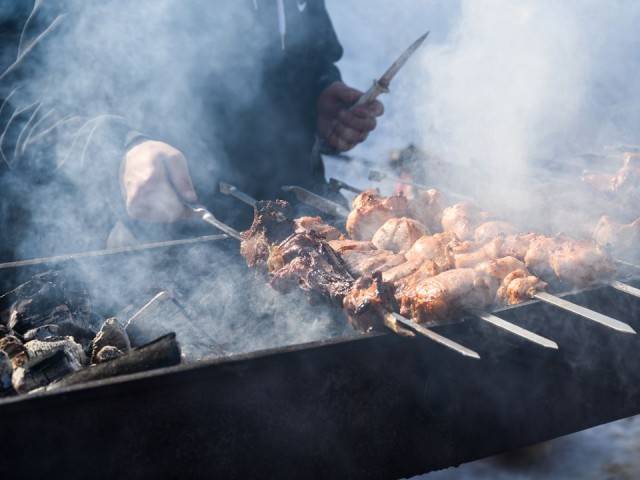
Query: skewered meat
x,y
409,272
369,212
446,295
347,245
462,219
624,239
398,234
361,263
434,247
581,262
328,232
489,230
468,254
516,245
427,207
272,223
518,286
624,180
305,261
538,255
366,300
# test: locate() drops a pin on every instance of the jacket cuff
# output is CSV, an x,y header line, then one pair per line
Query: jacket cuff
x,y
133,138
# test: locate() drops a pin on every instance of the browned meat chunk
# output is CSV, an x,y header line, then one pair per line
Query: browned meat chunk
x,y
623,239
489,230
434,247
518,286
361,263
580,263
398,234
516,245
411,271
347,245
462,219
463,258
446,295
538,256
307,224
427,207
371,210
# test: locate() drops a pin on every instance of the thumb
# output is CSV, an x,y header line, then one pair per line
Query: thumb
x,y
178,173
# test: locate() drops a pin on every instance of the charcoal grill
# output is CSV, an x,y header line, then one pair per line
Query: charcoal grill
x,y
360,406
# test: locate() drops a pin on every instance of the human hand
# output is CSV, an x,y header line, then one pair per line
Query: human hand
x,y
341,126
154,176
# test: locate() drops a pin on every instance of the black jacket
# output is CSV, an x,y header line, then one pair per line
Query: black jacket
x,y
207,76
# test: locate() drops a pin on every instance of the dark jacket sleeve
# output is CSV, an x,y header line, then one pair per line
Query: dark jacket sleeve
x,y
328,47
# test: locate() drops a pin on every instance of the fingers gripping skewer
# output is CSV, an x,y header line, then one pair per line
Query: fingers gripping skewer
x,y
516,330
585,312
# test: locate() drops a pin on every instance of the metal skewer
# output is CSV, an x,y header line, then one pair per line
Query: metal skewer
x,y
623,287
456,347
208,217
336,185
584,312
516,330
232,190
316,201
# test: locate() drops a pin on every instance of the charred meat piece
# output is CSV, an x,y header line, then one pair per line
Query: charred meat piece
x,y
367,301
462,219
434,247
272,223
623,239
398,234
370,211
326,231
305,261
427,206
446,295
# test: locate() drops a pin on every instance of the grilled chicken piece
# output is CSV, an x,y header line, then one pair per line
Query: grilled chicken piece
x,y
427,207
580,263
538,256
398,234
305,261
516,245
272,223
624,180
434,247
370,211
367,301
409,272
498,269
519,286
347,245
463,258
328,232
623,239
462,219
446,295
489,230
361,263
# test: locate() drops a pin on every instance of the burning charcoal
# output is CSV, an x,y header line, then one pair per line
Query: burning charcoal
x,y
52,368
6,371
164,314
11,345
105,354
49,297
45,332
163,352
36,351
111,334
